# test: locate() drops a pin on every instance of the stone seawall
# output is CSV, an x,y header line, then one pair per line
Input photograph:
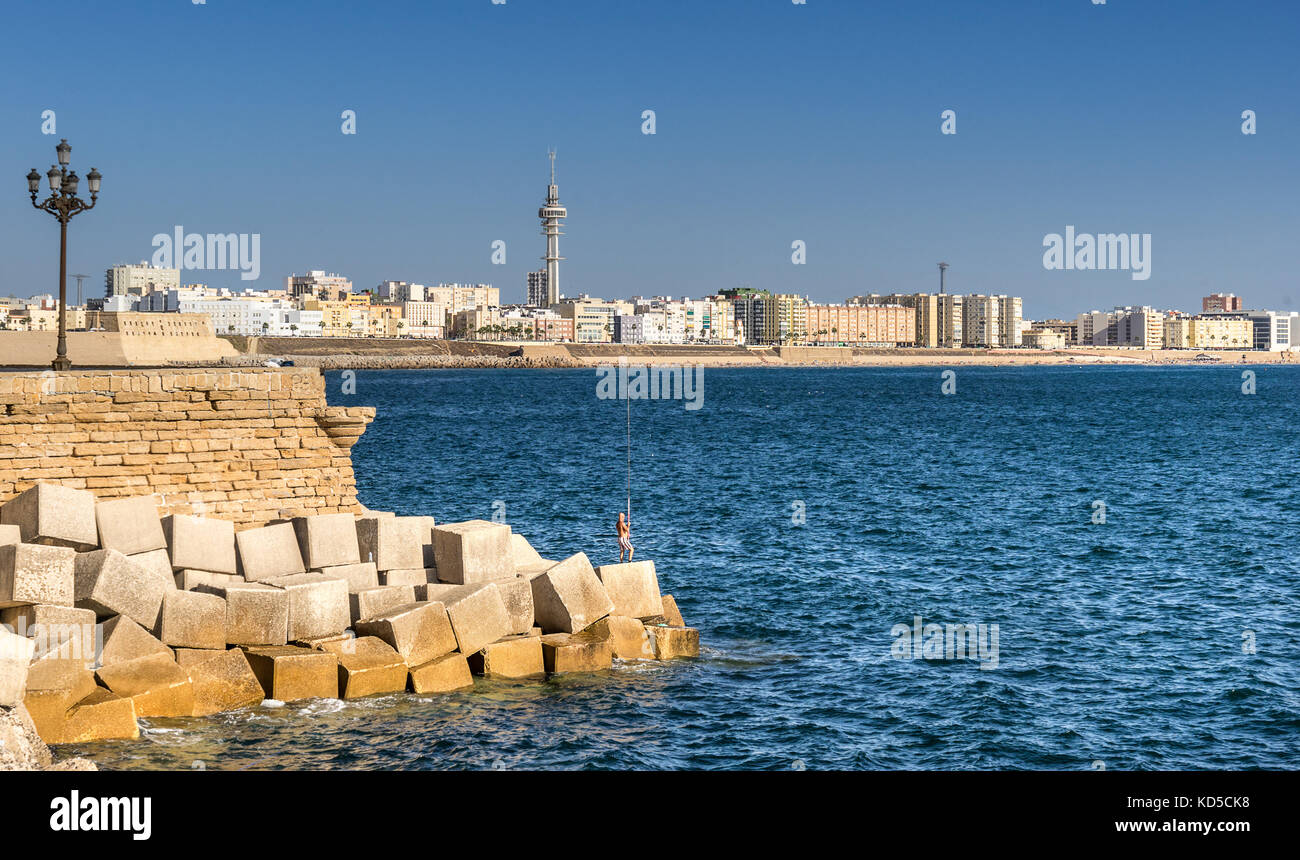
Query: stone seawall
x,y
248,445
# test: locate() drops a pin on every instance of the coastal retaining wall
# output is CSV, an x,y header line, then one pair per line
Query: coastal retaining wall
x,y
126,340
249,445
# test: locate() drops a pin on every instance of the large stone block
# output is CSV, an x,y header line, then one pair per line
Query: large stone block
x,y
627,636
187,657
201,543
672,614
190,579
576,652
52,626
287,673
318,605
478,614
517,594
157,686
391,543
568,597
223,683
15,660
672,642
633,587
473,551
367,666
442,675
269,552
193,619
157,561
10,534
326,540
101,716
48,710
67,674
112,584
124,641
357,576
256,613
130,525
370,602
55,515
514,658
527,560
416,576
420,632
32,573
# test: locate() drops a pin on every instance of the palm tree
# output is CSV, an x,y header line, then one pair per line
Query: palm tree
x,y
293,327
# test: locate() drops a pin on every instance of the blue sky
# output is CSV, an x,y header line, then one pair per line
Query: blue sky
x,y
775,122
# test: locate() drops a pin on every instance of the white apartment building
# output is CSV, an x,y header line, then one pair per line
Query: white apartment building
x,y
138,280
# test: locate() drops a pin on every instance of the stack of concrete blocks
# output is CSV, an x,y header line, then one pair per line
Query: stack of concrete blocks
x,y
112,613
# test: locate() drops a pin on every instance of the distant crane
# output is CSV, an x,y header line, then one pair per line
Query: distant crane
x,y
943,267
79,278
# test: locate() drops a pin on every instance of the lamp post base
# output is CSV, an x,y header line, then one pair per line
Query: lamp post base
x,y
61,363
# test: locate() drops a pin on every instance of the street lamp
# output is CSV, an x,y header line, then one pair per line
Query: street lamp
x,y
63,203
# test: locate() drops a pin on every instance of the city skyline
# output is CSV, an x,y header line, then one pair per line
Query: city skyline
x,y
760,156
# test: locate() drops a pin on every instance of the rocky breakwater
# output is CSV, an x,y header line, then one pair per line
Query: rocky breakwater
x,y
346,361
112,613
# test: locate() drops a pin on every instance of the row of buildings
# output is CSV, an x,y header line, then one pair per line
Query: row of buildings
x,y
1223,323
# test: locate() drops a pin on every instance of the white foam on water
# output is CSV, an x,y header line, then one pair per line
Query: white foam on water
x,y
272,703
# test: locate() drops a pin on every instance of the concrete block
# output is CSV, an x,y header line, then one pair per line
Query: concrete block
x,y
54,515
672,642
52,626
576,652
517,594
268,552
157,686
318,605
190,579
69,675
370,602
157,562
327,540
48,710
101,716
357,576
15,660
256,613
112,584
420,632
442,675
473,551
187,657
627,636
202,543
319,641
523,553
392,542
32,573
223,683
478,614
409,576
287,673
514,658
10,534
130,525
368,666
193,619
124,641
672,614
568,597
633,587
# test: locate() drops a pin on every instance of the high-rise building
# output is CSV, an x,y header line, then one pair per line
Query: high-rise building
x,y
129,280
318,285
538,293
552,214
1221,302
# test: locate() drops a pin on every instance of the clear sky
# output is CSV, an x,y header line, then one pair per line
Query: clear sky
x,y
775,122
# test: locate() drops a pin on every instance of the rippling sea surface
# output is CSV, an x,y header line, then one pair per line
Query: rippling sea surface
x,y
1125,643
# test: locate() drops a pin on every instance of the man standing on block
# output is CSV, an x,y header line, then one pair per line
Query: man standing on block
x,y
624,538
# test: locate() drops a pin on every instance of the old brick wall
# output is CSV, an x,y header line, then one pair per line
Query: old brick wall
x,y
248,444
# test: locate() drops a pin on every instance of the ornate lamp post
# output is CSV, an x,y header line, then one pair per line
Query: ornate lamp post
x,y
63,203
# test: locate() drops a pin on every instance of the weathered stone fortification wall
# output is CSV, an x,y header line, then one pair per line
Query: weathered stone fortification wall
x,y
248,445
